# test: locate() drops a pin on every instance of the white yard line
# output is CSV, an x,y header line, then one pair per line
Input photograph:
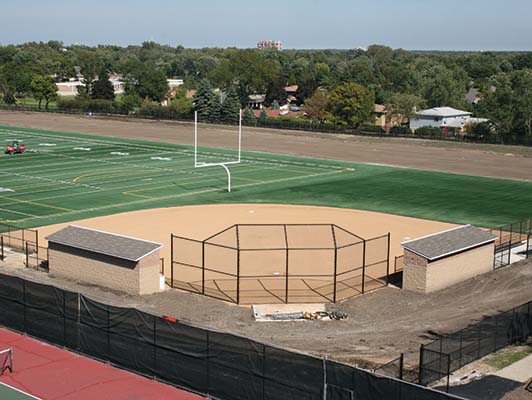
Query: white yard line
x,y
18,212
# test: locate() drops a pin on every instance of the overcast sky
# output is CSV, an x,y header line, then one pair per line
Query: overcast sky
x,y
409,24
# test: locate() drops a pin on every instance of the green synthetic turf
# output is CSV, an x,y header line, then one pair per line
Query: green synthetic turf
x,y
60,180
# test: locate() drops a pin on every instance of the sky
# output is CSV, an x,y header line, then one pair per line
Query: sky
x,y
302,24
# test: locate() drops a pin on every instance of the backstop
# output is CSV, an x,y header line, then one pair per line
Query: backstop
x,y
280,263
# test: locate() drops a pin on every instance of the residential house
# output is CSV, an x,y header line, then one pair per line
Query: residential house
x,y
447,118
256,101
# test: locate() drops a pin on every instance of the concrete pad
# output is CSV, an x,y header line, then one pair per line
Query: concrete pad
x,y
520,371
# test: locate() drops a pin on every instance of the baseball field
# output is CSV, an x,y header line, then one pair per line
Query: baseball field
x,y
67,176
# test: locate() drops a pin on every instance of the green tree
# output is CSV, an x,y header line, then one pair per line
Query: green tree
x,y
306,89
103,88
214,107
401,107
276,92
89,65
44,88
203,99
263,116
230,107
183,107
147,82
351,104
130,102
443,88
316,106
522,88
248,118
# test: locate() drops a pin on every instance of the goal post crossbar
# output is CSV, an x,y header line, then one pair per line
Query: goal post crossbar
x,y
220,164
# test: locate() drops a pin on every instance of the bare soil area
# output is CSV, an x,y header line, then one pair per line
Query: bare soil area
x,y
200,222
464,158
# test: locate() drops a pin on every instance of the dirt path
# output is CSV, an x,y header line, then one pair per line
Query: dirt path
x,y
473,159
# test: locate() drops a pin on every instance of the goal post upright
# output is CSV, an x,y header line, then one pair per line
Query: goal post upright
x,y
218,164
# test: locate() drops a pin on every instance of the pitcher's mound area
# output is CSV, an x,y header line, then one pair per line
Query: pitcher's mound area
x,y
200,222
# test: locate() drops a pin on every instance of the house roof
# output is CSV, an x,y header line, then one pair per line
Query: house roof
x,y
442,112
379,108
446,243
472,95
291,89
110,244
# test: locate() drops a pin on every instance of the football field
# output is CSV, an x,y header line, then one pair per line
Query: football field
x,y
70,176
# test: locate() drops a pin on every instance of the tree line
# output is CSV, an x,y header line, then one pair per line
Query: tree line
x,y
336,86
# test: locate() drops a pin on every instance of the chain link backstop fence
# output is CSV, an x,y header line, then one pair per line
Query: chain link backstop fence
x,y
285,263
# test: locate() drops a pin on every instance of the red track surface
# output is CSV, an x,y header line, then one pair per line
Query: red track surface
x,y
55,374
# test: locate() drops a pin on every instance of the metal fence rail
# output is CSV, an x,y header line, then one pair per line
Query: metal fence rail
x,y
16,237
394,368
508,237
451,352
221,365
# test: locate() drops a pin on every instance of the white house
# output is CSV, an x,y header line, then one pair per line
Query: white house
x,y
437,117
444,117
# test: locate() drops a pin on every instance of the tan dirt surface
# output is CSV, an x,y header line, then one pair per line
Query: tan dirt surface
x,y
465,158
201,222
264,272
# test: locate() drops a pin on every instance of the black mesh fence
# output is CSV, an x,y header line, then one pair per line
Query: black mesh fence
x,y
394,368
451,352
222,365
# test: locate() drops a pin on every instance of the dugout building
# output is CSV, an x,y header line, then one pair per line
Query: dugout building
x,y
108,260
446,258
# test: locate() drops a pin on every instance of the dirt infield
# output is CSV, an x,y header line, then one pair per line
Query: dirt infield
x,y
472,159
200,222
312,273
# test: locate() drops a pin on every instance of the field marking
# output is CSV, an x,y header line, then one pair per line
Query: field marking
x,y
111,175
40,178
187,152
199,192
33,203
17,212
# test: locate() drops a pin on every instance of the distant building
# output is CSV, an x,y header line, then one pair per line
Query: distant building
x,y
291,92
473,96
445,118
256,101
69,88
270,44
